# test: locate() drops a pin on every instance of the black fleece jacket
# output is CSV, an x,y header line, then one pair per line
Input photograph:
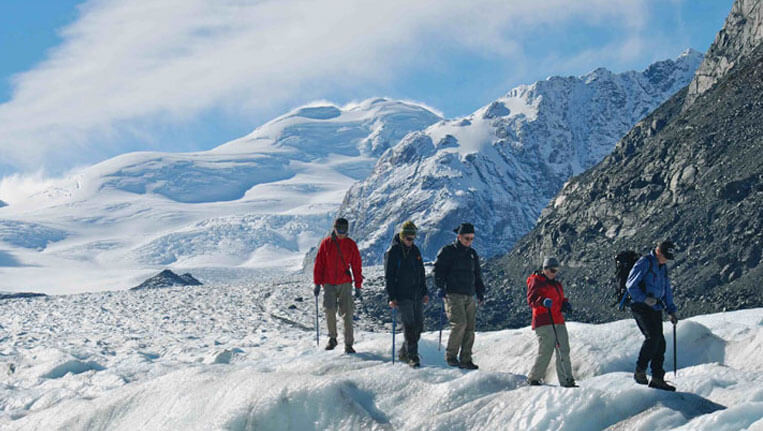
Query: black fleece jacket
x,y
457,270
404,272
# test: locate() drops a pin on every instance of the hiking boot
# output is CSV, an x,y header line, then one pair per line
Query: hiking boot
x,y
640,377
534,382
348,349
468,365
331,344
570,384
414,361
659,383
453,362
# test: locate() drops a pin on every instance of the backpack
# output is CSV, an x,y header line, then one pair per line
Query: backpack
x,y
624,262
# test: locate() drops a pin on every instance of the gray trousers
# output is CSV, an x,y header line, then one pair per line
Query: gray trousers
x,y
546,346
412,316
338,297
461,311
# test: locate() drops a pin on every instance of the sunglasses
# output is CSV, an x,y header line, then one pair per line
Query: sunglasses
x,y
410,238
468,238
553,270
341,231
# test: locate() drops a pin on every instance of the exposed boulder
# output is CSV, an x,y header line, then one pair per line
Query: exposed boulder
x,y
167,278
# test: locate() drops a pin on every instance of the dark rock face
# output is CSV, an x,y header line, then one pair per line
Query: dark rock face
x,y
168,278
692,175
741,34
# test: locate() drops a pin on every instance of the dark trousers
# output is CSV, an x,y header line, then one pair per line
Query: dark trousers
x,y
412,316
649,321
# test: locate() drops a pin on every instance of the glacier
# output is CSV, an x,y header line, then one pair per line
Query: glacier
x,y
242,356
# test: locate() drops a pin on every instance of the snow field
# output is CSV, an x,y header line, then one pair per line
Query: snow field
x,y
261,201
243,356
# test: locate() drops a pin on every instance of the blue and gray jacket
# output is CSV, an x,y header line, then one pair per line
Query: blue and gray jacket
x,y
654,281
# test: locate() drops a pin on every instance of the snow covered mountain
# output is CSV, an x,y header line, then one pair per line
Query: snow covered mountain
x,y
244,358
691,171
499,166
258,201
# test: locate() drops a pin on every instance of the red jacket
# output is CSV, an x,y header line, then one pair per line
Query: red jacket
x,y
328,267
539,287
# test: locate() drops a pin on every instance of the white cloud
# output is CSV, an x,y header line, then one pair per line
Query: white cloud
x,y
122,65
15,188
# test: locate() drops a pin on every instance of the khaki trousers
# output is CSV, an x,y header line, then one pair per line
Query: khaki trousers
x,y
461,310
546,346
339,297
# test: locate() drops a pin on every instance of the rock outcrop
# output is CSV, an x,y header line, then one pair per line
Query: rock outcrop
x,y
167,278
741,34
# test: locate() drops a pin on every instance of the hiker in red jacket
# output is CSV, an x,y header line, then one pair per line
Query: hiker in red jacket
x,y
544,293
338,254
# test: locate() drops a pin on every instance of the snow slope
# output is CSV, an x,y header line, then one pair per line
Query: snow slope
x,y
242,357
499,166
257,202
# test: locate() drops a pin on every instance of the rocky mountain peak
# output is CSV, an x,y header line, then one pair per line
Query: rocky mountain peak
x,y
499,166
740,35
690,173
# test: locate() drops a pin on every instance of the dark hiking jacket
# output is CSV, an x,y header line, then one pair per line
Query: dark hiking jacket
x,y
457,270
404,272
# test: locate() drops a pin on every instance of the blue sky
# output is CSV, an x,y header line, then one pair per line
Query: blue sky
x,y
84,81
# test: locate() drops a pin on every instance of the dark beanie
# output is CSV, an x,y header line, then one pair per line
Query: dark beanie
x,y
666,247
464,228
341,225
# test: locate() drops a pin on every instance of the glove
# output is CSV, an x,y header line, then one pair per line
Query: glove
x,y
441,293
357,293
566,307
673,318
317,290
548,302
480,297
650,301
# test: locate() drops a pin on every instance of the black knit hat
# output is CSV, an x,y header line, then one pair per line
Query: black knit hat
x,y
666,248
464,228
341,225
550,262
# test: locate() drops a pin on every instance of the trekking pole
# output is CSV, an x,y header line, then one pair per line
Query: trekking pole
x,y
442,314
394,326
556,337
675,354
317,324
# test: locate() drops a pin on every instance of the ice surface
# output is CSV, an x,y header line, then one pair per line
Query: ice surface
x,y
243,357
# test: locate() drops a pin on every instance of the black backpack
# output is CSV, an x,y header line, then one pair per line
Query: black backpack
x,y
624,262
